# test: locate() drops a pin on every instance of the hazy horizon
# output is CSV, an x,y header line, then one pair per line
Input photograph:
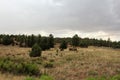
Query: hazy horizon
x,y
62,18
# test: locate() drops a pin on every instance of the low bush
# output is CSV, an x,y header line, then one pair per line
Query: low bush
x,y
46,77
31,69
42,77
116,77
18,68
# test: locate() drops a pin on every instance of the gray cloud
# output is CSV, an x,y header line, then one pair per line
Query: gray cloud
x,y
49,15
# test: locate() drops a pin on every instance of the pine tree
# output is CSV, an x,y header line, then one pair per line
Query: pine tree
x,y
75,40
51,41
6,40
63,45
44,43
36,51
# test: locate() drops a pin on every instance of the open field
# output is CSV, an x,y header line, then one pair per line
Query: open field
x,y
69,65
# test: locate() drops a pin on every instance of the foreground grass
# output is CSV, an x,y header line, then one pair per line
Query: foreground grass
x,y
117,77
42,77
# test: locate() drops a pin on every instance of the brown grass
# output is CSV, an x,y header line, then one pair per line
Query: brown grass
x,y
71,65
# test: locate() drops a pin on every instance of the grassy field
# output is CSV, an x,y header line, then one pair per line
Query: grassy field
x,y
68,65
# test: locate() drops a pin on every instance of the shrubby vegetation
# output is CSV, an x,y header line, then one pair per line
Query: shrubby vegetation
x,y
18,67
42,77
46,77
116,77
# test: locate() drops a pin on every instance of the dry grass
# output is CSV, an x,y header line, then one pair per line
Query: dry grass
x,y
14,51
71,65
7,76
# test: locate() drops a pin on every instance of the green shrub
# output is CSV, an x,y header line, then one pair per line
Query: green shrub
x,y
31,69
1,64
42,77
36,51
116,77
14,67
46,77
19,68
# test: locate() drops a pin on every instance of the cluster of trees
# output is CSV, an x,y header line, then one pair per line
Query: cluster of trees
x,y
28,40
85,42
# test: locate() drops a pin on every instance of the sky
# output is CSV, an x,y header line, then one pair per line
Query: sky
x,y
62,18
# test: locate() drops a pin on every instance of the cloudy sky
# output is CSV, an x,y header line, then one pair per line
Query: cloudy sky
x,y
87,18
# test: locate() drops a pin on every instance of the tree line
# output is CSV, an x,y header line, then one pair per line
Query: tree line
x,y
28,40
47,42
85,42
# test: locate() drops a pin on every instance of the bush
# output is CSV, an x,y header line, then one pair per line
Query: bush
x,y
42,77
18,67
46,77
116,77
36,51
31,69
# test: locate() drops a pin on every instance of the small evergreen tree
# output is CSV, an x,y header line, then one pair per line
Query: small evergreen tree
x,y
44,43
63,45
51,41
75,40
36,51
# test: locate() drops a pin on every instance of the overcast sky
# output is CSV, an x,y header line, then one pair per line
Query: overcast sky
x,y
87,18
